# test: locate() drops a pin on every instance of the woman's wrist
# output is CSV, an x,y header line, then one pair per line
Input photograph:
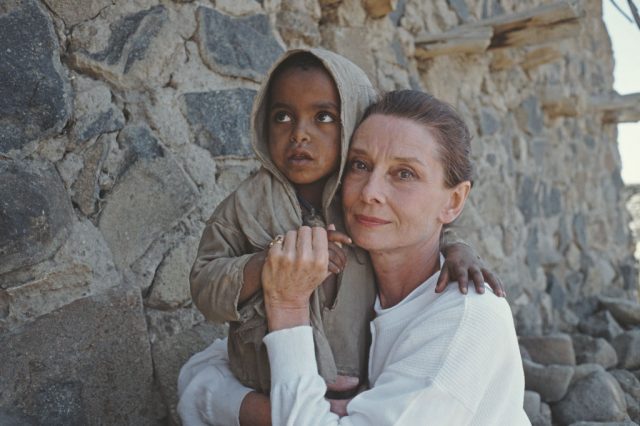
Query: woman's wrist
x,y
286,315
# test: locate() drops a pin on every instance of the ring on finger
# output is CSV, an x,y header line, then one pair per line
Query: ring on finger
x,y
279,239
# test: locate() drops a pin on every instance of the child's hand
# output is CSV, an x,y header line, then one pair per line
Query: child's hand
x,y
462,263
345,385
337,255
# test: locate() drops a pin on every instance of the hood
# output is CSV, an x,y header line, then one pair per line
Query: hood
x,y
356,93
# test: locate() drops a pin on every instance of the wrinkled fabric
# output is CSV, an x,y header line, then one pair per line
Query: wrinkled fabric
x,y
264,206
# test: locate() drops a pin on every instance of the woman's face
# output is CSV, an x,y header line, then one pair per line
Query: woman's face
x,y
394,194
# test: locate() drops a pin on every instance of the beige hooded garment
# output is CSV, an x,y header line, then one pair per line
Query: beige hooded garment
x,y
264,206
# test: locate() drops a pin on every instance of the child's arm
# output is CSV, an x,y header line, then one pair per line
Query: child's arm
x,y
463,263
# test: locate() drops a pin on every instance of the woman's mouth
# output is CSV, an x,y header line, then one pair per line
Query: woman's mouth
x,y
370,220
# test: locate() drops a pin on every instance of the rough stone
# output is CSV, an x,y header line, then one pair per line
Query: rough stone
x,y
552,202
94,112
597,397
242,47
228,133
594,350
628,382
73,12
626,312
627,345
460,6
35,213
35,97
544,418
130,38
552,349
82,266
601,324
529,116
580,231
92,361
527,198
85,188
532,403
162,192
623,423
297,22
170,354
170,288
489,122
551,382
378,8
584,370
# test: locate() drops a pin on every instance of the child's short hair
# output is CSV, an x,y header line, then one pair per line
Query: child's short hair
x,y
304,61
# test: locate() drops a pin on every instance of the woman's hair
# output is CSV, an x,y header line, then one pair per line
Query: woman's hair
x,y
446,124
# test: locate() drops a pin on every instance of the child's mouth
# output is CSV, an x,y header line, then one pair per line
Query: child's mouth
x,y
300,158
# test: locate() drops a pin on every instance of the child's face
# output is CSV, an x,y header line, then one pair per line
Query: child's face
x,y
304,125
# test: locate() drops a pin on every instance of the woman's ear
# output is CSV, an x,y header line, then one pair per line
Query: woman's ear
x,y
455,204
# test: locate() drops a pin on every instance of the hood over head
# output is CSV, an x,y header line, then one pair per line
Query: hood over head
x,y
356,93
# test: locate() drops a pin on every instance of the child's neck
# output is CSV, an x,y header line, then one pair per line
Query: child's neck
x,y
312,193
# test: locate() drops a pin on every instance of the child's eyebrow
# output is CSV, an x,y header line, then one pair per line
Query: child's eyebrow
x,y
326,105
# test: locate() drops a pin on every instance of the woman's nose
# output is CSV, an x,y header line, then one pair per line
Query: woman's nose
x,y
373,189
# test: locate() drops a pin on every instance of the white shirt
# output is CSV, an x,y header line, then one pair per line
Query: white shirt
x,y
445,359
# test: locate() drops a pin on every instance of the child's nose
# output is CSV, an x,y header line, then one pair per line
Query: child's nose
x,y
300,132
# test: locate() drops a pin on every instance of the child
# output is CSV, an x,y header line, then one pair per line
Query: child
x,y
303,117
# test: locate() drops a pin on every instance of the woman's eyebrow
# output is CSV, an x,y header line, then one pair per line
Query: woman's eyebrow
x,y
410,160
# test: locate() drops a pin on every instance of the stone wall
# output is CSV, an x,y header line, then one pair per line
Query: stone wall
x,y
124,123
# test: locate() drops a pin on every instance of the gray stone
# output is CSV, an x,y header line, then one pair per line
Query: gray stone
x,y
533,252
580,231
85,188
35,92
601,324
35,213
552,202
633,407
170,288
131,37
627,345
597,397
489,121
584,370
629,271
92,361
623,423
12,417
625,311
82,266
73,12
94,123
460,6
220,120
297,21
398,12
628,382
551,382
169,355
529,116
162,192
491,8
243,47
532,403
556,291
527,198
594,350
544,418
551,349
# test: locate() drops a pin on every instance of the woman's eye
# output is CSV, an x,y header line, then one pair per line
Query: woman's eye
x,y
282,117
358,165
325,117
406,174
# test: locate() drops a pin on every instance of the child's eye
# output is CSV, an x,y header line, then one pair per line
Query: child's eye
x,y
325,117
281,117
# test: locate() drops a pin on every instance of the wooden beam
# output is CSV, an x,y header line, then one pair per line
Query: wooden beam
x,y
463,39
540,25
617,108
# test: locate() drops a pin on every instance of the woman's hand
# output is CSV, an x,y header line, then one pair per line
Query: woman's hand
x,y
461,264
291,272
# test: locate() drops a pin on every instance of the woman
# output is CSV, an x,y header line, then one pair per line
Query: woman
x,y
434,359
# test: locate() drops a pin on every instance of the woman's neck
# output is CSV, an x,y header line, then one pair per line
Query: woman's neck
x,y
400,271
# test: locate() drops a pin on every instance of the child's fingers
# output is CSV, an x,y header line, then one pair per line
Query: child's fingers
x,y
463,281
337,236
443,279
494,282
478,280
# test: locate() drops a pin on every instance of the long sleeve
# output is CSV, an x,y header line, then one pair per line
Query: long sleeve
x,y
217,275
456,364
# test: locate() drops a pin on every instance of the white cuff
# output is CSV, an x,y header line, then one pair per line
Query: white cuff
x,y
291,353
